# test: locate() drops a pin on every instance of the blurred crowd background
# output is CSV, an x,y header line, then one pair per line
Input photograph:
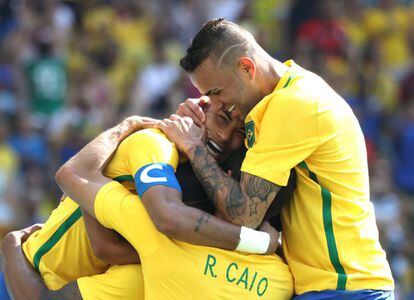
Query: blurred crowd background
x,y
69,69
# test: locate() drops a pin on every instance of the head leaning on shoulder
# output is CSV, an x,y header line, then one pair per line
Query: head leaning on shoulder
x,y
225,62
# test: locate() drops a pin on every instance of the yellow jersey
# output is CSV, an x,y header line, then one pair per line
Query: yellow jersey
x,y
61,251
330,238
177,270
118,282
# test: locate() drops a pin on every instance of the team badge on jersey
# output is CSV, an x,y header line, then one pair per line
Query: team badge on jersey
x,y
250,134
155,174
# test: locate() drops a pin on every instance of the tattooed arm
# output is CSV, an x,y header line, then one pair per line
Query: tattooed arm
x,y
176,220
243,203
81,178
173,218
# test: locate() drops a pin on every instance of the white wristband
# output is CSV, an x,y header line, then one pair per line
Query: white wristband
x,y
253,241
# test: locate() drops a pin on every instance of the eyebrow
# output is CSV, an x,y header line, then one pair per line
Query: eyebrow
x,y
211,91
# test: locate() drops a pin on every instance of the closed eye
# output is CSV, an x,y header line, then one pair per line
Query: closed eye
x,y
224,118
242,132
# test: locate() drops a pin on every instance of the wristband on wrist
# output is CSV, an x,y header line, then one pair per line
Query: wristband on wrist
x,y
253,241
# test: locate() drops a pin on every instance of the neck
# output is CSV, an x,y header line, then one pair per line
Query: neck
x,y
272,72
269,72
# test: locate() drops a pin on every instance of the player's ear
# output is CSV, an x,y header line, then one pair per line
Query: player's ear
x,y
247,68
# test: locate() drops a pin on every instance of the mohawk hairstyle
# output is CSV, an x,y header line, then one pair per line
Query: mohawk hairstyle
x,y
217,37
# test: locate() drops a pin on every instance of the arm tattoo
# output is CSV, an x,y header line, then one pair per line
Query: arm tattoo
x,y
203,219
222,190
235,204
253,207
260,188
208,172
227,194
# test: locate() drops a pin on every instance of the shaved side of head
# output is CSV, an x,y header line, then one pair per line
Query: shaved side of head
x,y
222,41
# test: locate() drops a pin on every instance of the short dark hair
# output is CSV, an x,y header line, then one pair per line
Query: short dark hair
x,y
215,37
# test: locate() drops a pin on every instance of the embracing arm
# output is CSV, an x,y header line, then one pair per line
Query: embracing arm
x,y
108,245
176,220
81,177
243,203
23,281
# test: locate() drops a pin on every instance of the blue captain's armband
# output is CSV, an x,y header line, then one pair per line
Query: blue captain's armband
x,y
155,174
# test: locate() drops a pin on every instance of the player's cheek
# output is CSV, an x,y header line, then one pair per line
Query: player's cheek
x,y
237,141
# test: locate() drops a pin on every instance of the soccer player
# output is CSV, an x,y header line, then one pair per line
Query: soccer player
x,y
125,158
172,269
293,119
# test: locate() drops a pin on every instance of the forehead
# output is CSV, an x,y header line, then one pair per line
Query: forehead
x,y
209,76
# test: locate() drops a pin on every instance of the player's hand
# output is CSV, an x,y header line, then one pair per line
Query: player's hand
x,y
274,236
17,238
135,123
193,108
28,231
183,132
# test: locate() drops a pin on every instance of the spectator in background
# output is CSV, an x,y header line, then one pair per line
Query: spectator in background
x,y
9,166
324,32
8,101
388,25
90,63
404,167
46,76
7,18
154,84
29,143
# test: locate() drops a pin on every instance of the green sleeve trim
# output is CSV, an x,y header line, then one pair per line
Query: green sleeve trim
x,y
287,82
123,178
51,242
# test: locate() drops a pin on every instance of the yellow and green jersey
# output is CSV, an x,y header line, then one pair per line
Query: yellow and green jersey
x,y
178,270
61,251
330,238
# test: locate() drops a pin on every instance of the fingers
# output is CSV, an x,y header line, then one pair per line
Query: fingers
x,y
25,233
174,117
186,121
192,108
151,123
135,123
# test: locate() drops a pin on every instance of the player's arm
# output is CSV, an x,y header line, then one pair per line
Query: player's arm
x,y
81,177
245,202
23,281
176,220
70,291
152,158
242,203
108,245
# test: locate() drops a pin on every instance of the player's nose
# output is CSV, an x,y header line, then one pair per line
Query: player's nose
x,y
225,134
